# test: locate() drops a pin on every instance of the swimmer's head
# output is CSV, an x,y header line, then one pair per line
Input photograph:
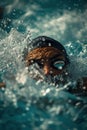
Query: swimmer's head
x,y
49,55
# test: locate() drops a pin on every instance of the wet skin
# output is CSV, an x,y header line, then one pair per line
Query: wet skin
x,y
51,60
2,85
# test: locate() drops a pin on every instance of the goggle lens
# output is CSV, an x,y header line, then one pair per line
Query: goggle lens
x,y
59,64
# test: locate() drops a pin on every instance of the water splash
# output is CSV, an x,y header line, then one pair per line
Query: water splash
x,y
30,98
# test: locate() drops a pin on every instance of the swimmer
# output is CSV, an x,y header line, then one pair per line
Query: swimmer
x,y
49,57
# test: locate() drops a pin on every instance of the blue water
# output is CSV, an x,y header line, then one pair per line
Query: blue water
x,y
26,104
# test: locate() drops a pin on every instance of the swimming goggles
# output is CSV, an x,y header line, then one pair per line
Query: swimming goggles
x,y
58,64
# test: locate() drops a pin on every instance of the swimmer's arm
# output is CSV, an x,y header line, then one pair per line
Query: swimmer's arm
x,y
85,82
2,85
81,86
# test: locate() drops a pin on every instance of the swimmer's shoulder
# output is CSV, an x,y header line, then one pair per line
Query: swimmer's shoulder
x,y
81,87
2,85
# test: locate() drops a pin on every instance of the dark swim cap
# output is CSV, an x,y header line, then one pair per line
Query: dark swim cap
x,y
43,41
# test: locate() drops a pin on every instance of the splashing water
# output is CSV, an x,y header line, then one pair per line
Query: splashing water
x,y
26,104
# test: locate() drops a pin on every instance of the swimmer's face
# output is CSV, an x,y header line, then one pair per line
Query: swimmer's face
x,y
50,61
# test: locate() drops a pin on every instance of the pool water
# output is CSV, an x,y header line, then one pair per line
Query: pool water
x,y
26,104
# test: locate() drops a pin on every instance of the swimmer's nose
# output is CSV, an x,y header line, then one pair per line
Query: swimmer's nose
x,y
46,69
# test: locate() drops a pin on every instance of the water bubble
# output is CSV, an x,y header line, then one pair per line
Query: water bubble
x,y
43,39
49,44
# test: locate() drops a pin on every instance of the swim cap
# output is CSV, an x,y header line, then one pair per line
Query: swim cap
x,y
44,41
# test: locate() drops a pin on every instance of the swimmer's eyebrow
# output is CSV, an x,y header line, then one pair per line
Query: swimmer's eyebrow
x,y
55,57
